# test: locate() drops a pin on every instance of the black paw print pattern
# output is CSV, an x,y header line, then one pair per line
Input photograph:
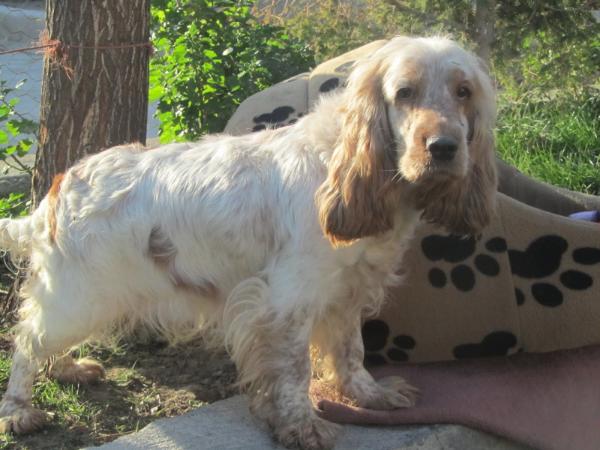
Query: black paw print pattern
x,y
277,118
497,343
329,85
457,250
376,335
542,258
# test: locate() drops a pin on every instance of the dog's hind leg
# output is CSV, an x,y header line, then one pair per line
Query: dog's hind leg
x,y
16,411
66,369
53,320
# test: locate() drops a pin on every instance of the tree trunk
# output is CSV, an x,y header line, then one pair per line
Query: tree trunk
x,y
104,100
484,33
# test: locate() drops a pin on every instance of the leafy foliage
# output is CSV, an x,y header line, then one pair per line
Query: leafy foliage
x,y
14,205
13,126
544,45
14,143
333,27
212,54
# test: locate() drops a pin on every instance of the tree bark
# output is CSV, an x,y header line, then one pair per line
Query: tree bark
x,y
485,18
104,100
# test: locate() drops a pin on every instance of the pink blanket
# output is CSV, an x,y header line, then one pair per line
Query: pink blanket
x,y
548,401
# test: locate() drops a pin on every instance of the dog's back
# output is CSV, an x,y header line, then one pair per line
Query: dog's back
x,y
162,236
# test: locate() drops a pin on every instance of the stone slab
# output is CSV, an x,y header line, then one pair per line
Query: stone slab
x,y
228,425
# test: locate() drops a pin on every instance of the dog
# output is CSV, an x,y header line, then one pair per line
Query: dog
x,y
266,243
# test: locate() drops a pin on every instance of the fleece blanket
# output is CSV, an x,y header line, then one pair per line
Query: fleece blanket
x,y
547,401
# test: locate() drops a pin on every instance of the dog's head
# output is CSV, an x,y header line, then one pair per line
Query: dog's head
x,y
416,127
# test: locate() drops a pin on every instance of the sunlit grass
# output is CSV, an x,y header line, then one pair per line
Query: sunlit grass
x,y
556,140
64,401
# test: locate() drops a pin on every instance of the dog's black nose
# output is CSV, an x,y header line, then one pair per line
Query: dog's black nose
x,y
442,148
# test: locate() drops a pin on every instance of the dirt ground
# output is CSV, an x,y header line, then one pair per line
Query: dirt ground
x,y
144,382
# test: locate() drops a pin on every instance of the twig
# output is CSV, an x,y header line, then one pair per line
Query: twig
x,y
23,167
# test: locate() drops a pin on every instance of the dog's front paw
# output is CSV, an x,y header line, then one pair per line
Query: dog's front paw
x,y
387,393
394,392
20,419
308,434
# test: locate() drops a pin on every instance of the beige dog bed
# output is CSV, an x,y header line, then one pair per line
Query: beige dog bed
x,y
529,283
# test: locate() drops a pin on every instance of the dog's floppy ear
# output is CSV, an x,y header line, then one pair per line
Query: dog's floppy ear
x,y
466,206
354,202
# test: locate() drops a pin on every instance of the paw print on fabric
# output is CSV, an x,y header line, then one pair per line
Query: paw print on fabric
x,y
587,255
275,119
497,343
329,85
456,249
542,258
401,344
375,334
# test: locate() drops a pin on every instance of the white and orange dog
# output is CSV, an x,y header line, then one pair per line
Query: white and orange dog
x,y
268,242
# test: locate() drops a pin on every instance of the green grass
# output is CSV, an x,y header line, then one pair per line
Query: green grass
x,y
7,440
64,401
131,396
556,140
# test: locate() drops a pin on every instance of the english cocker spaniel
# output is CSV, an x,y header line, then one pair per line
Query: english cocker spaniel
x,y
266,243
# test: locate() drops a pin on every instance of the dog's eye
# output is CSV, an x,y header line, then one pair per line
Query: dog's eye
x,y
463,92
404,93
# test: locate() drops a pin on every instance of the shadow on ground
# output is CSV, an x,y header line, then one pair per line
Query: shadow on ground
x,y
144,382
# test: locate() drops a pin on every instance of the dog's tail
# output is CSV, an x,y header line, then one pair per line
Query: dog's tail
x,y
15,236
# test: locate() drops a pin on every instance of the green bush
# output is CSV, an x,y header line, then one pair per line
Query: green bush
x,y
14,143
333,27
211,55
13,127
14,205
537,45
